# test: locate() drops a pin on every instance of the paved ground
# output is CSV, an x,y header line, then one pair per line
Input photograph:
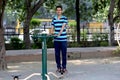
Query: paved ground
x,y
72,53
85,69
51,50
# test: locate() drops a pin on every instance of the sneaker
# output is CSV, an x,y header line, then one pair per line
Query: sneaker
x,y
58,70
64,70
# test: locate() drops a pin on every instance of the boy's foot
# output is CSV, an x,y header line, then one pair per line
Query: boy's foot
x,y
58,70
64,71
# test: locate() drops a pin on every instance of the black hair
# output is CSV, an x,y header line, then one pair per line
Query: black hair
x,y
59,7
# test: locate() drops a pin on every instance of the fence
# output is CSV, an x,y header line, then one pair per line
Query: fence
x,y
85,33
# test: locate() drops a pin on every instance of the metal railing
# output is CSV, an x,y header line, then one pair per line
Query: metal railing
x,y
18,32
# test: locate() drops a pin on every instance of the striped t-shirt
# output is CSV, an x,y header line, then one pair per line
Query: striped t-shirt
x,y
57,23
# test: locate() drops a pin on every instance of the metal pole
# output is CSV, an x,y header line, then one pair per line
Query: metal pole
x,y
44,57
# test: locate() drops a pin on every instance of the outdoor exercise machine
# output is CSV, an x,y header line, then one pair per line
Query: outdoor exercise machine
x,y
45,75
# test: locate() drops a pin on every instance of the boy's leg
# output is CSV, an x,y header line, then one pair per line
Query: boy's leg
x,y
57,54
64,54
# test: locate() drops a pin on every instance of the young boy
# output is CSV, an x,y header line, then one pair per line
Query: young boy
x,y
59,23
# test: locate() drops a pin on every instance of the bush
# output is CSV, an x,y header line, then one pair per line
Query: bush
x,y
50,43
34,23
73,44
16,43
38,43
100,39
117,51
104,37
96,39
103,43
84,35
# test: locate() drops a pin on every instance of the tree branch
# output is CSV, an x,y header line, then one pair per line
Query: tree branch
x,y
36,6
2,8
115,18
28,5
110,14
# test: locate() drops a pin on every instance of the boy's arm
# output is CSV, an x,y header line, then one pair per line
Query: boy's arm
x,y
52,30
63,26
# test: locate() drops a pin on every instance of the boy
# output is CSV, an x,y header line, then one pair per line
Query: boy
x,y
59,23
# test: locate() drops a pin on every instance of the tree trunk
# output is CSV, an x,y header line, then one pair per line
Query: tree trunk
x,y
26,32
111,22
78,21
3,64
30,12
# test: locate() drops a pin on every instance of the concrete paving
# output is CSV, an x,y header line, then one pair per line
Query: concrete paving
x,y
72,53
84,69
51,50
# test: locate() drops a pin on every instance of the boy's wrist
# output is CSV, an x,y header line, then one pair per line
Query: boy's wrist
x,y
59,34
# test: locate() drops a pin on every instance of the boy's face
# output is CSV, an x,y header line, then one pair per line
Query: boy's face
x,y
59,11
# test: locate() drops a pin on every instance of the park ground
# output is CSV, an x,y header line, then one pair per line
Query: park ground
x,y
89,66
85,69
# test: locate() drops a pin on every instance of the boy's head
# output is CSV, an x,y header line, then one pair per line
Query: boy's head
x,y
59,10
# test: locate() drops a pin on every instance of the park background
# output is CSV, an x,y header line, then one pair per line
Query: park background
x,y
91,23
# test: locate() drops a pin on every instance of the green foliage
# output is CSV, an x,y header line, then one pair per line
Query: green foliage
x,y
96,37
73,33
38,43
84,35
100,4
72,23
69,8
50,43
100,39
50,4
100,9
34,23
117,51
86,10
104,43
17,7
16,43
104,37
74,44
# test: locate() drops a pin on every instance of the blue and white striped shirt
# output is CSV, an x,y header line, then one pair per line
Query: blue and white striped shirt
x,y
57,23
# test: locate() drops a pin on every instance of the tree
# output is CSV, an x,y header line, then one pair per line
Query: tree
x,y
111,22
26,9
3,64
30,11
113,14
78,21
100,10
